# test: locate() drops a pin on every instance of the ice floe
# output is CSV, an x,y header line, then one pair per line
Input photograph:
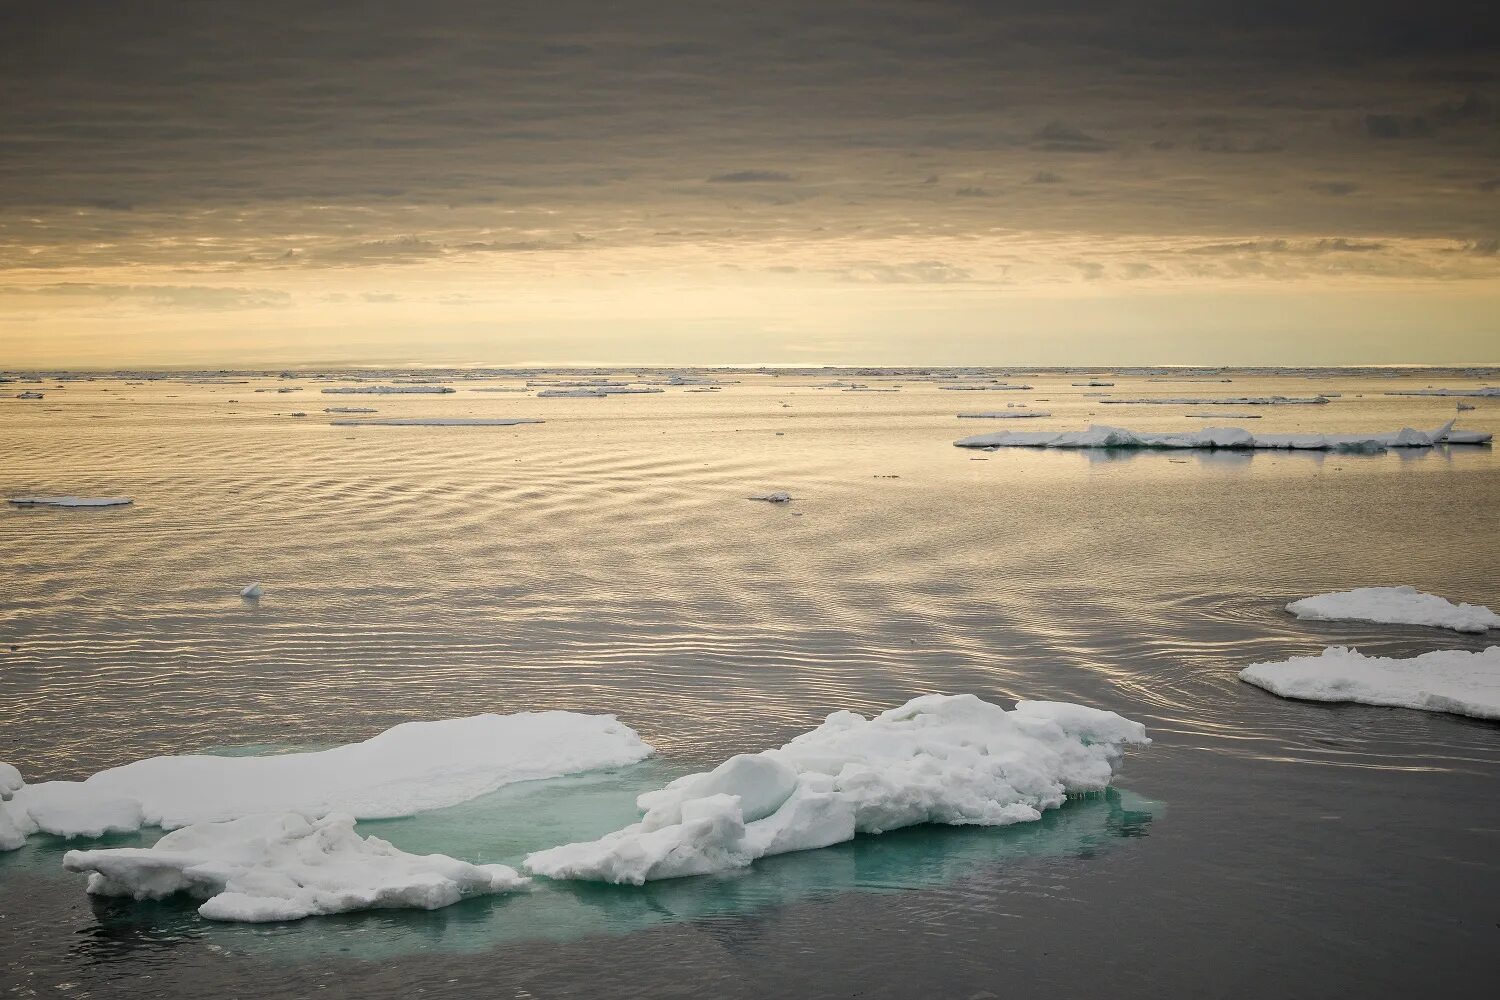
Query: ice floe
x,y
597,392
349,409
985,388
387,390
1445,680
1102,436
70,501
1224,400
407,769
29,395
1005,415
435,422
1486,392
1395,606
283,866
936,759
253,592
775,496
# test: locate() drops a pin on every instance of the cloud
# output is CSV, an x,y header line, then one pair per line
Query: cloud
x,y
1057,137
184,297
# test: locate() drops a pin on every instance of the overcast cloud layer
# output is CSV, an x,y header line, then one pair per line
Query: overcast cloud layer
x,y
901,181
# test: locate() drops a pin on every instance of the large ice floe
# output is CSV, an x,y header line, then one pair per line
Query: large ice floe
x,y
1445,680
69,501
434,422
1101,436
1395,606
1005,415
937,759
407,769
388,390
1224,400
285,866
1485,392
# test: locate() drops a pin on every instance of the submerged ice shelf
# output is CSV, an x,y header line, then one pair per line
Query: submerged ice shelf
x,y
1395,606
1446,680
1101,436
284,866
937,759
407,769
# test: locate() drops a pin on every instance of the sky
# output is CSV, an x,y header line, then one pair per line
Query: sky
x,y
1069,182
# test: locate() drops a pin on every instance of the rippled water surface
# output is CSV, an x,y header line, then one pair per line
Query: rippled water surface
x,y
606,560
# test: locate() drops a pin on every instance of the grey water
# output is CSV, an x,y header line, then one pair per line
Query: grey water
x,y
607,561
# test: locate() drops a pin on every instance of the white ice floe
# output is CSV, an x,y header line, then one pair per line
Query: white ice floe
x,y
407,769
936,759
253,592
1395,606
283,866
1225,400
1445,680
1101,436
12,831
1091,383
1005,415
70,501
350,409
985,388
597,392
1485,392
776,496
435,422
387,390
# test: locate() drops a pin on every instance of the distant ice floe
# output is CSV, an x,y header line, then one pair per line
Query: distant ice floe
x,y
29,395
286,867
1395,606
1446,680
1100,436
350,409
775,496
985,388
70,501
254,592
410,768
937,759
1005,415
1485,392
436,422
1092,383
591,392
388,390
1225,400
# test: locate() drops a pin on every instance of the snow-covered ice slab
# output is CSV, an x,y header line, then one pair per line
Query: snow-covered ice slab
x,y
407,769
283,866
1446,680
70,501
1102,436
936,759
1395,606
1005,415
1225,400
388,390
435,422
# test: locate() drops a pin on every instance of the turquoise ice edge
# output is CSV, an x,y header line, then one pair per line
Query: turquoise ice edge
x,y
505,825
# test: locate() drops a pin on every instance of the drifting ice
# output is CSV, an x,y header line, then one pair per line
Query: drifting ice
x,y
1100,436
776,496
70,501
286,867
253,592
386,390
937,759
1005,415
434,422
1395,606
1226,400
407,769
1446,680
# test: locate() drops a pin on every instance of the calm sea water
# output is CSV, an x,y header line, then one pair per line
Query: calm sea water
x,y
607,561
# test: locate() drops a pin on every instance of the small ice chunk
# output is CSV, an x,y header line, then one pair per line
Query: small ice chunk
x,y
70,501
1445,680
936,759
286,867
776,496
252,592
1395,606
